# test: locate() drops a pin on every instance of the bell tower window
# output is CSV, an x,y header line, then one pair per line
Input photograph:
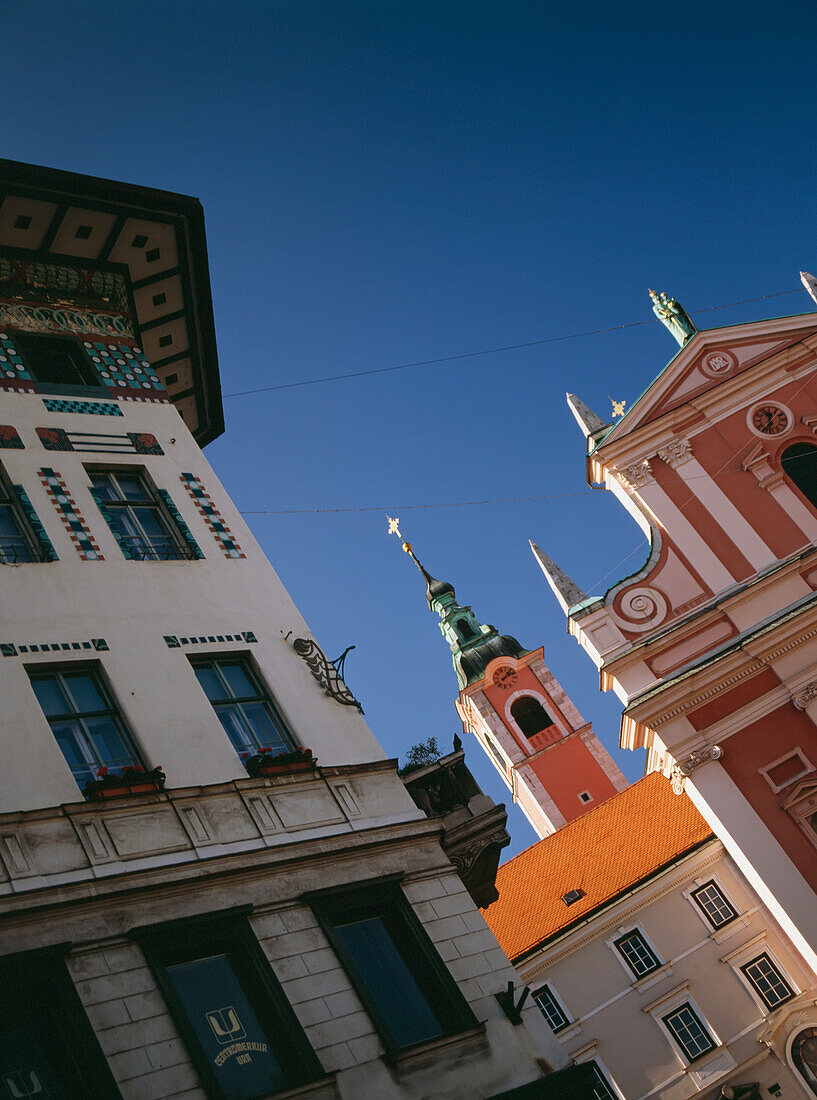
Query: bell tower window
x,y
464,629
799,463
530,715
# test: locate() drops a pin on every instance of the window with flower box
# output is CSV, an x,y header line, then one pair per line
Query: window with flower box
x,y
250,718
85,722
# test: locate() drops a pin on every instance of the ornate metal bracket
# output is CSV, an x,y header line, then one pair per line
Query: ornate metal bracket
x,y
695,760
327,673
510,1006
809,693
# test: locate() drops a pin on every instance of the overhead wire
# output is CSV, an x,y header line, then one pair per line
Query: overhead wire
x,y
488,351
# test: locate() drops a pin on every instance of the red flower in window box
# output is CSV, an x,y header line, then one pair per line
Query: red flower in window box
x,y
264,763
132,779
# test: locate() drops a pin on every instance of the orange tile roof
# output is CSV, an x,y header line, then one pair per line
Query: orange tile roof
x,y
604,852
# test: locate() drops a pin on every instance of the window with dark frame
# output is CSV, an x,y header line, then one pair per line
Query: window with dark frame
x,y
56,361
84,721
717,909
397,972
637,953
47,1045
799,462
239,1028
551,1009
766,979
137,517
689,1032
601,1086
249,717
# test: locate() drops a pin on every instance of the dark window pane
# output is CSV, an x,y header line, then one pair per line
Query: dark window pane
x,y
104,486
55,359
51,697
84,692
390,982
209,679
236,730
131,488
263,727
226,1027
24,1069
14,546
74,748
800,463
240,683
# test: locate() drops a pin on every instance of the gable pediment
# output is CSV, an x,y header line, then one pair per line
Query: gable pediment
x,y
708,359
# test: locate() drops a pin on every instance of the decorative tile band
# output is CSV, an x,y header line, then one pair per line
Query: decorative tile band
x,y
8,649
11,364
95,408
122,366
54,439
212,517
58,439
10,438
70,515
173,641
184,530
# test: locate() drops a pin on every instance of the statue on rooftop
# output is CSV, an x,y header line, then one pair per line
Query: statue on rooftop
x,y
673,315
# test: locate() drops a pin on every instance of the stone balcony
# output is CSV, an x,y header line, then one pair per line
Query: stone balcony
x,y
473,824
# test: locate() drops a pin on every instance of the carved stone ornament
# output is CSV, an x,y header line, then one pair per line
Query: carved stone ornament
x,y
465,858
696,759
633,477
676,452
325,672
809,693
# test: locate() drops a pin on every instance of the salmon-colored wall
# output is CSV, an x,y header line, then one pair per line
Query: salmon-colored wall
x,y
568,768
727,702
498,698
682,494
717,451
758,745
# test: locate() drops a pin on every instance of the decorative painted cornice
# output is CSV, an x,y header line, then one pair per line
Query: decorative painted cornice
x,y
676,452
696,759
809,693
638,474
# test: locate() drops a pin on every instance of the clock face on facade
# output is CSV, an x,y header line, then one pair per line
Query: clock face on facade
x,y
769,419
505,677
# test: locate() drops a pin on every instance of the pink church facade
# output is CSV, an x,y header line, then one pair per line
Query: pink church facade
x,y
712,644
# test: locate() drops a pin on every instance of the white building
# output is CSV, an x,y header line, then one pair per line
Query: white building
x,y
652,958
256,924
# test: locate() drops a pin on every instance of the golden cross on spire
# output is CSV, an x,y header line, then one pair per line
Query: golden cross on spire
x,y
618,407
394,526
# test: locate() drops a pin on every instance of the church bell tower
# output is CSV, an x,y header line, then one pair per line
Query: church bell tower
x,y
548,756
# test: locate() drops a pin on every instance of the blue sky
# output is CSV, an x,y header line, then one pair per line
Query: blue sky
x,y
393,181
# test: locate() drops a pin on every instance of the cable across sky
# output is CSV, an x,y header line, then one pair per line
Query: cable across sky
x,y
491,351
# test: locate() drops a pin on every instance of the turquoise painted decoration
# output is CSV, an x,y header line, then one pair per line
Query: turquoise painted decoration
x,y
673,316
186,533
47,551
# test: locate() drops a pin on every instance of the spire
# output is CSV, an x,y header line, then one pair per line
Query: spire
x,y
587,420
567,592
673,316
810,283
473,644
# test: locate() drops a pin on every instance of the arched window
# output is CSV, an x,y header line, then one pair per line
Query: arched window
x,y
799,463
804,1056
530,715
465,630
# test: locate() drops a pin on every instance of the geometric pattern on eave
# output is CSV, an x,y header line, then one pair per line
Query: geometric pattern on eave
x,y
603,853
156,238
